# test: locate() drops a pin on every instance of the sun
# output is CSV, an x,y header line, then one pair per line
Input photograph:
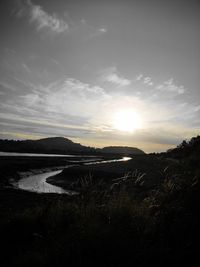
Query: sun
x,y
126,121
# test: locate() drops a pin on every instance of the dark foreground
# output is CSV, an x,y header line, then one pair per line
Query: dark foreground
x,y
148,217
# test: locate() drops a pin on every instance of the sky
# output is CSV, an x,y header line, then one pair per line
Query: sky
x,y
69,68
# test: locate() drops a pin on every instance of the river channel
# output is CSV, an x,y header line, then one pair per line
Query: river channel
x,y
37,182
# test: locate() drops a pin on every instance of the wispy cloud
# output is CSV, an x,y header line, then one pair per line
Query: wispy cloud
x,y
148,81
83,89
27,69
70,107
63,98
6,86
63,107
145,79
139,77
170,86
112,76
93,31
42,19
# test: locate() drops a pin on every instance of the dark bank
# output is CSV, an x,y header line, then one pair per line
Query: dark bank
x,y
130,213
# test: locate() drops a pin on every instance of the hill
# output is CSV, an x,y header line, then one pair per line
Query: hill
x,y
54,145
60,145
187,149
122,150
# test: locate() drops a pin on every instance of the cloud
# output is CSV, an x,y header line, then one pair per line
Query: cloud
x,y
39,126
139,77
196,108
62,108
97,32
60,99
6,86
27,69
80,89
103,30
170,86
116,79
145,80
91,31
42,19
70,107
113,77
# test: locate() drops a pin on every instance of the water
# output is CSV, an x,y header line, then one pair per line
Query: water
x,y
40,155
108,161
37,182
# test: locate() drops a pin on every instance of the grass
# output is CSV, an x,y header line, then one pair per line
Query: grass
x,y
140,218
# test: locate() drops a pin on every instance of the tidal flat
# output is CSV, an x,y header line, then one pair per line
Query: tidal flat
x,y
144,211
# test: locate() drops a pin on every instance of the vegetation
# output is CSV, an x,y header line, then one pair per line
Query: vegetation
x,y
124,222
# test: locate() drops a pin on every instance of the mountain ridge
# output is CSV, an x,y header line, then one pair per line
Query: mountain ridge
x,y
61,145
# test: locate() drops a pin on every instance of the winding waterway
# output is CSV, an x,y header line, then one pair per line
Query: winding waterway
x,y
37,182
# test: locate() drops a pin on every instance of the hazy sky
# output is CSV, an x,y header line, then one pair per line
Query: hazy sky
x,y
68,67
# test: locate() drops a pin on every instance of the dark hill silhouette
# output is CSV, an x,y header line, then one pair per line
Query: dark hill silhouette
x,y
60,145
188,152
54,145
122,150
186,149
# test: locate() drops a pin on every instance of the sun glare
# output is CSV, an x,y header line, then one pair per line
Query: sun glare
x,y
126,121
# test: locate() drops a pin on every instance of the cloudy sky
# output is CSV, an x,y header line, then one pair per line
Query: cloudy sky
x,y
67,68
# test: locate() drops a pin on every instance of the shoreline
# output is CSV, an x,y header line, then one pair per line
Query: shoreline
x,y
13,168
108,172
72,171
36,179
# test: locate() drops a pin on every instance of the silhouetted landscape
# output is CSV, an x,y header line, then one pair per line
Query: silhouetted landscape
x,y
136,212
61,145
99,133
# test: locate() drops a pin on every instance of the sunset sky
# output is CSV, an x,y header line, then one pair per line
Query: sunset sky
x,y
83,69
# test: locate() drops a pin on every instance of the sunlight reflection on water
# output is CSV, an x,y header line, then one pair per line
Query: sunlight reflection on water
x,y
109,161
37,183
